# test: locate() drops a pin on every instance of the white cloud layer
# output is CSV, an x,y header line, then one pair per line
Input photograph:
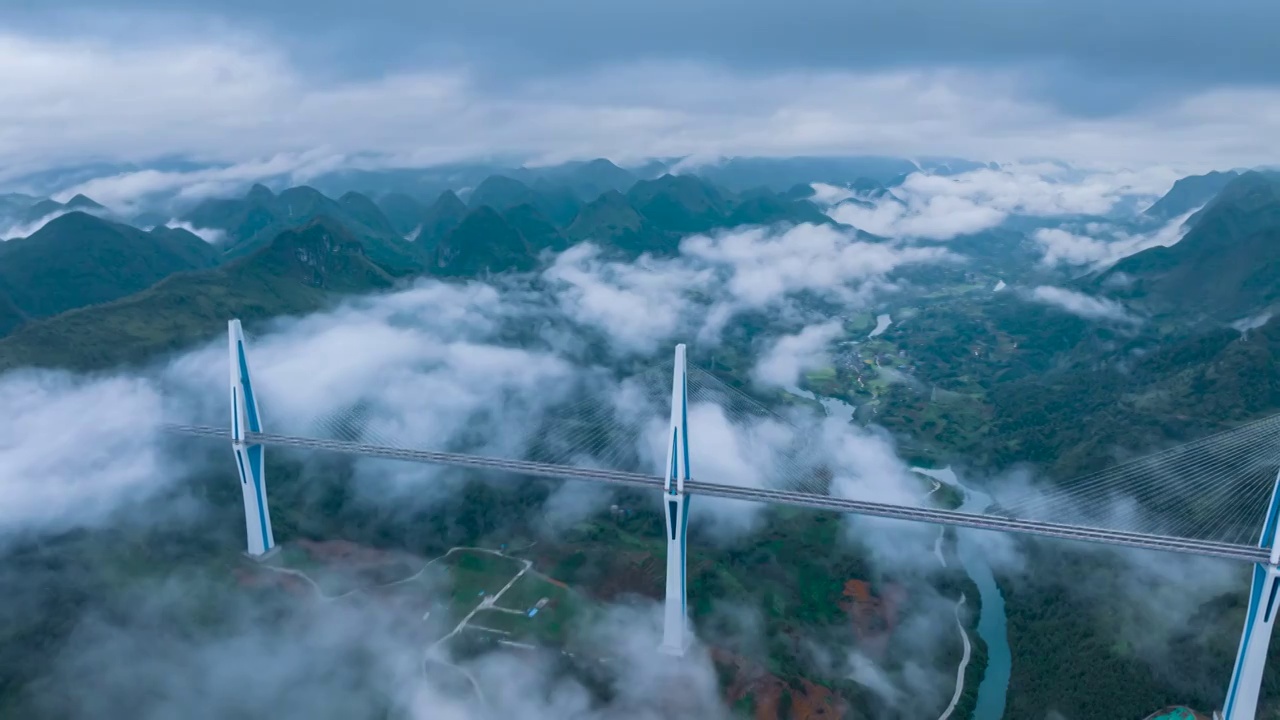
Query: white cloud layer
x,y
720,275
213,236
423,366
1085,306
1102,245
26,229
73,449
237,99
942,207
792,355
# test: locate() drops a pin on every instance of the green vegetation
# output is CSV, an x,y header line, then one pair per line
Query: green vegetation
x,y
297,273
1225,267
986,378
128,299
78,259
1070,654
1189,193
474,575
253,222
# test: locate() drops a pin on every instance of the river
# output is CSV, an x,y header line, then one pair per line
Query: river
x,y
882,323
991,619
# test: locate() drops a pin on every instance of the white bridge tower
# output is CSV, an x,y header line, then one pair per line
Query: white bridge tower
x,y
676,636
1246,679
249,457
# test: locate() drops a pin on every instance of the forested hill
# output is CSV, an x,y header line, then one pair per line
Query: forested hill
x,y
1189,193
78,259
1227,266
296,273
107,273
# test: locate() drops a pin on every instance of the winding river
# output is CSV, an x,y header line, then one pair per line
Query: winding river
x,y
991,618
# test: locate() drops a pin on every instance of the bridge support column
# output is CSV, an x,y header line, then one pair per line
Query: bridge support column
x,y
1251,659
249,457
676,635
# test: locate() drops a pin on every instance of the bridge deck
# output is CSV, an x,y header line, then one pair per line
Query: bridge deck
x,y
1245,553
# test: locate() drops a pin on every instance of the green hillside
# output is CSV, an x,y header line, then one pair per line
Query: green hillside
x,y
680,203
484,243
402,211
590,180
1225,267
367,213
299,272
11,316
652,218
252,222
502,193
78,259
1189,193
536,229
264,269
443,215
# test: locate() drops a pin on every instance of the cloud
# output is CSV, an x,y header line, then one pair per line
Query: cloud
x,y
424,368
928,218
204,647
791,355
242,102
1079,304
22,230
1084,63
127,189
825,194
764,265
720,275
637,304
76,450
1042,190
1104,245
213,236
942,207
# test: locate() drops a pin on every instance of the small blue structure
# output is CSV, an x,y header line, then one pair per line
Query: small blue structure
x,y
533,611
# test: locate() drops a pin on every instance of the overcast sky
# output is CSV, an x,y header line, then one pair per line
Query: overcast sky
x,y
1131,82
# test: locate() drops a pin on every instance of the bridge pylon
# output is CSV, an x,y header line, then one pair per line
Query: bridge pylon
x,y
1251,659
249,456
676,634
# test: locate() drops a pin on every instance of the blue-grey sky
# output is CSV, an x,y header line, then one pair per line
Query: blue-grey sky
x,y
314,82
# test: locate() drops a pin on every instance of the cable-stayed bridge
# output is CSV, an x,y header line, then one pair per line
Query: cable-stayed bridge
x,y
1213,497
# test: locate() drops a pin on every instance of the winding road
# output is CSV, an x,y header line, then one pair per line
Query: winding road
x,y
432,653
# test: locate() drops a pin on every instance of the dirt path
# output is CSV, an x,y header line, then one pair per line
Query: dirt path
x,y
432,653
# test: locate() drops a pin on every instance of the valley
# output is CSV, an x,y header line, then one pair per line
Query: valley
x,y
957,363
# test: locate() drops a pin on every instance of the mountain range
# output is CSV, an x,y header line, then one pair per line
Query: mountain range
x,y
586,179
1189,193
86,291
1225,267
296,273
82,273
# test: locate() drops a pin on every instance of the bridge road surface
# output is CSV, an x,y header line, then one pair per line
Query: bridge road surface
x,y
1242,553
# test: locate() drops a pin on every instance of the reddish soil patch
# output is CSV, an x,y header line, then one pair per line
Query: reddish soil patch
x,y
808,700
811,700
874,617
271,580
